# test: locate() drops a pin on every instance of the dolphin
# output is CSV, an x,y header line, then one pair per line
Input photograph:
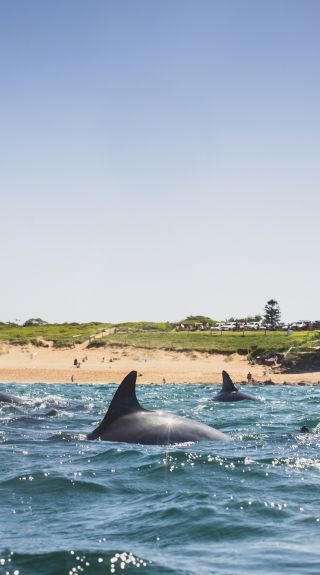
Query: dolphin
x,y
229,392
126,421
305,429
8,398
32,417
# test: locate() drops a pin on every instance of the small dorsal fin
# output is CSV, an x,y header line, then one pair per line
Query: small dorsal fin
x,y
124,399
227,384
123,402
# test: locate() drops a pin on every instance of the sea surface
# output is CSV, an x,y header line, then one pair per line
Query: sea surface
x,y
71,506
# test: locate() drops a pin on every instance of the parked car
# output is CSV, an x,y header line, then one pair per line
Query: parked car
x,y
252,325
269,327
229,326
299,325
216,327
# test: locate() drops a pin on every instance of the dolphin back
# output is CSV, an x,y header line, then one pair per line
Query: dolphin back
x,y
126,421
8,398
159,428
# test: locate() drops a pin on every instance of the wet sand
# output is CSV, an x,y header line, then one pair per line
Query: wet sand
x,y
47,365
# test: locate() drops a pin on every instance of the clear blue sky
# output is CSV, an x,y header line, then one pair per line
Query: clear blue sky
x,y
159,158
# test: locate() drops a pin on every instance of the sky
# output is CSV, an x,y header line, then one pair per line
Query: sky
x,y
159,159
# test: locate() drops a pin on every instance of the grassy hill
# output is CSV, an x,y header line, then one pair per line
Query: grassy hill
x,y
219,342
61,335
296,351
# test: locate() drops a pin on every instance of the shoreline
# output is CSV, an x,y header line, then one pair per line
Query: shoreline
x,y
30,364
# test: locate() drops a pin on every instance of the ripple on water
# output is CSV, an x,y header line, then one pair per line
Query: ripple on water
x,y
96,507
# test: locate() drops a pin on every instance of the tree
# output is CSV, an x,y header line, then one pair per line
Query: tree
x,y
198,318
34,321
272,313
248,319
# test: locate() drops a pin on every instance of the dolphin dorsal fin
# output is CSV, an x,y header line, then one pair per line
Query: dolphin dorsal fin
x,y
123,402
227,383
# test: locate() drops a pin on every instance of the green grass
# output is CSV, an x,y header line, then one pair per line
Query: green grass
x,y
144,326
226,342
61,335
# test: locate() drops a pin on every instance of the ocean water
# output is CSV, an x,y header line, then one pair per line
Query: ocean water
x,y
71,506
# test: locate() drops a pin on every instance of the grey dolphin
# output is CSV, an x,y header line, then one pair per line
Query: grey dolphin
x,y
229,391
32,417
305,429
8,398
127,421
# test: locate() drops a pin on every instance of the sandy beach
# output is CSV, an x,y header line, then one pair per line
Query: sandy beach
x,y
48,365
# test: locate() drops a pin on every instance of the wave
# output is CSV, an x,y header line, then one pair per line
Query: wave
x,y
81,562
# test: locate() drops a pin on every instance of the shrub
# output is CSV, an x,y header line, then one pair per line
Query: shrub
x,y
97,343
38,342
59,343
305,361
19,341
